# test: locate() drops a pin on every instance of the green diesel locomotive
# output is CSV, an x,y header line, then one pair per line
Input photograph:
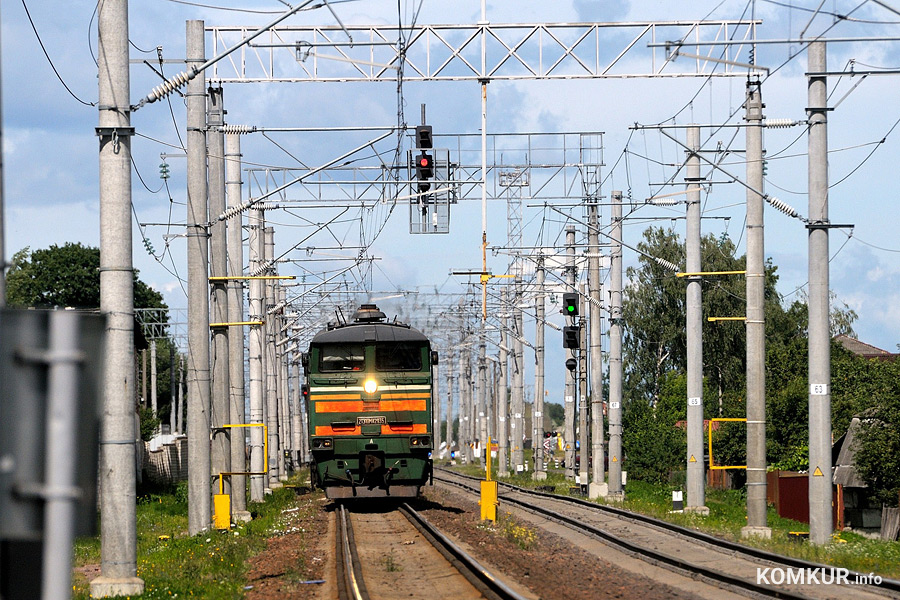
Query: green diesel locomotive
x,y
369,404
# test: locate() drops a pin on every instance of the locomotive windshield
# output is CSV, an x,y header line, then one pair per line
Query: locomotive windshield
x,y
342,357
398,356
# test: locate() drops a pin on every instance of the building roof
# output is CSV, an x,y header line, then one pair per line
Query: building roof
x,y
863,349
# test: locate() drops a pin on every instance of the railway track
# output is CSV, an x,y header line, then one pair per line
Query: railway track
x,y
733,567
368,568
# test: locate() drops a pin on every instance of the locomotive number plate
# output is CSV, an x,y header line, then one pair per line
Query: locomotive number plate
x,y
379,420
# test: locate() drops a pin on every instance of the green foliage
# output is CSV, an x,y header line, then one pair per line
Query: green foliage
x,y
149,422
556,413
652,444
65,276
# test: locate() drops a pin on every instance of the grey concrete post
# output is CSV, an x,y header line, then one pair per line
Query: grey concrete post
x,y
275,466
503,391
235,248
517,423
595,304
448,414
696,470
257,314
296,410
537,436
198,426
118,528
220,450
153,383
820,493
755,322
286,435
481,383
173,386
615,350
583,428
571,376
436,405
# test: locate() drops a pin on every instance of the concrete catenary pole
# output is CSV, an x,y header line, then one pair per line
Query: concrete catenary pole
x,y
276,465
615,350
517,423
220,451
198,423
481,383
118,528
154,388
285,424
235,246
820,518
537,436
595,311
696,471
571,376
436,416
755,322
297,410
448,414
503,391
173,383
465,389
257,314
583,429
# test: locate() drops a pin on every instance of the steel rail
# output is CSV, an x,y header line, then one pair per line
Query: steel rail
x,y
886,586
349,573
481,578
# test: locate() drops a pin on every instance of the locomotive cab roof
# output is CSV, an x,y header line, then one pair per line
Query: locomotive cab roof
x,y
369,325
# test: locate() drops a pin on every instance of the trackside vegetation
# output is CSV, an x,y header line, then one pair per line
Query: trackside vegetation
x,y
172,564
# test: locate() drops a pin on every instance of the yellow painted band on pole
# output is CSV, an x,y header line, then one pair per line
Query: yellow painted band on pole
x,y
235,277
714,319
236,323
700,273
712,466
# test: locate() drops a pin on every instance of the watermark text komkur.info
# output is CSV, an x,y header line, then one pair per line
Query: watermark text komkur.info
x,y
813,576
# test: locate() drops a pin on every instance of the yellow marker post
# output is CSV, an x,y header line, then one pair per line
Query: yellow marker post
x,y
222,501
489,501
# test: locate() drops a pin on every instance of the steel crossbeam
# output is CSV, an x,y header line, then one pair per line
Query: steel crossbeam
x,y
486,51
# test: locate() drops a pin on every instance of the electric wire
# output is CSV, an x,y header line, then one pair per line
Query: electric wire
x,y
50,60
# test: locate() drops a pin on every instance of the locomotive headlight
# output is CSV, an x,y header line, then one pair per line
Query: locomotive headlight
x,y
370,386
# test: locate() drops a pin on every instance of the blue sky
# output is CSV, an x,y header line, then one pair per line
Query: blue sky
x,y
50,150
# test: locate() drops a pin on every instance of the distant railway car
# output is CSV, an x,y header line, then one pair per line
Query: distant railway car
x,y
370,407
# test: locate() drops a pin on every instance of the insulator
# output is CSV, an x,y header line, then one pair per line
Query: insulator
x,y
166,88
780,123
663,201
782,206
666,264
238,129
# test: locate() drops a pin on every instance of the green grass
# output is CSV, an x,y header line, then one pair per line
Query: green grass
x,y
212,564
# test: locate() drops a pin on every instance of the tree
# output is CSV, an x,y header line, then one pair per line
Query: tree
x,y
65,276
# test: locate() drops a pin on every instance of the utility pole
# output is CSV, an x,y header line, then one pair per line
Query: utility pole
x,y
537,437
284,423
173,382
571,376
597,487
517,424
220,453
481,383
615,352
153,384
465,372
820,516
297,404
448,415
275,461
235,247
583,430
118,528
696,472
199,496
256,223
755,322
503,392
